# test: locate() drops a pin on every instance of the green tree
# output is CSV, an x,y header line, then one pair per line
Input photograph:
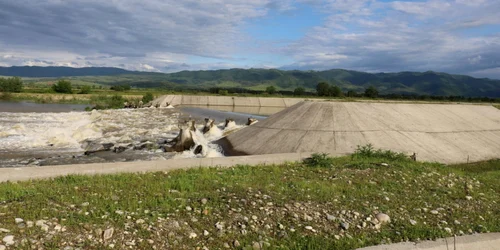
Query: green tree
x,y
371,92
323,89
63,86
223,92
124,87
271,90
147,97
299,91
13,84
335,91
85,89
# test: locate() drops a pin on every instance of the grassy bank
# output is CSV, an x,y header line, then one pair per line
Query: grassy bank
x,y
323,204
64,98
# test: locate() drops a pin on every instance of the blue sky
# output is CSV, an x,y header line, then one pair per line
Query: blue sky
x,y
454,36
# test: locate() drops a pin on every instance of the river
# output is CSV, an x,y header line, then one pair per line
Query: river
x,y
34,134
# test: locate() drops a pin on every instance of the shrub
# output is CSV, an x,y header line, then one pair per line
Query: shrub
x,y
120,87
13,84
321,160
371,92
223,92
271,90
63,86
369,151
147,97
85,90
299,91
107,102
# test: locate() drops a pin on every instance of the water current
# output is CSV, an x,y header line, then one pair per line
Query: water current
x,y
48,138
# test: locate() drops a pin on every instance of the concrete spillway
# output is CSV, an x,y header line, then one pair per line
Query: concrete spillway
x,y
200,100
435,132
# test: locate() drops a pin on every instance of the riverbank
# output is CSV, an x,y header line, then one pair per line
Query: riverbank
x,y
268,100
339,203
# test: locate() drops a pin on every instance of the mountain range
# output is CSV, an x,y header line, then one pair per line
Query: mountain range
x,y
421,83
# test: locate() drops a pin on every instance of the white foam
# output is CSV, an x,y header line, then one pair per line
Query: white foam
x,y
66,131
24,131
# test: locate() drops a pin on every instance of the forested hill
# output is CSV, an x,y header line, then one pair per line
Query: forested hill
x,y
421,83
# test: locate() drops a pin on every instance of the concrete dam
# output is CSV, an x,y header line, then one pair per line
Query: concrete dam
x,y
446,133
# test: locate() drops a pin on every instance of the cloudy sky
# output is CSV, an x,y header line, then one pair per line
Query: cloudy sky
x,y
455,36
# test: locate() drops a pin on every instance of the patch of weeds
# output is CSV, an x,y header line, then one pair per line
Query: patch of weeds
x,y
368,151
321,160
6,96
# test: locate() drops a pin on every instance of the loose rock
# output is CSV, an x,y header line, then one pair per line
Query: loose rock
x,y
383,218
236,243
8,240
330,217
344,225
434,212
108,233
18,220
256,246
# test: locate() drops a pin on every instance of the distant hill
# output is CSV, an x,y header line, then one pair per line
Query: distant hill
x,y
421,83
53,71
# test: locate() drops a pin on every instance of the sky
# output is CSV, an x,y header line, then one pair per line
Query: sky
x,y
453,36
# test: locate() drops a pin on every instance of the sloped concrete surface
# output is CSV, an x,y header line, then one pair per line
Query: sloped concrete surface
x,y
237,101
28,173
490,241
444,133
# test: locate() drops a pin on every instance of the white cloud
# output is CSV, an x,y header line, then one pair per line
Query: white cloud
x,y
402,35
457,36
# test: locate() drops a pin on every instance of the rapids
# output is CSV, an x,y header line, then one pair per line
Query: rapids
x,y
38,139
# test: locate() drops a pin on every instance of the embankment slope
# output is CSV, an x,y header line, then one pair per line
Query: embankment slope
x,y
443,133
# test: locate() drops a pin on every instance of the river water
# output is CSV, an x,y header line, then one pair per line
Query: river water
x,y
53,134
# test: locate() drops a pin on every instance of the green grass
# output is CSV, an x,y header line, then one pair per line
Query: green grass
x,y
348,188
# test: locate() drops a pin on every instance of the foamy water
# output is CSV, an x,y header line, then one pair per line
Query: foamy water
x,y
50,134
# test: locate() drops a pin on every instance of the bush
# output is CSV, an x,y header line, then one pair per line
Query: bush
x,y
369,151
371,92
13,84
147,97
63,86
323,89
299,91
107,102
120,87
271,90
223,92
321,160
85,90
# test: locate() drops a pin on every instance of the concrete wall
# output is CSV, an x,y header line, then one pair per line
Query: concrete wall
x,y
489,241
435,132
28,173
236,101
